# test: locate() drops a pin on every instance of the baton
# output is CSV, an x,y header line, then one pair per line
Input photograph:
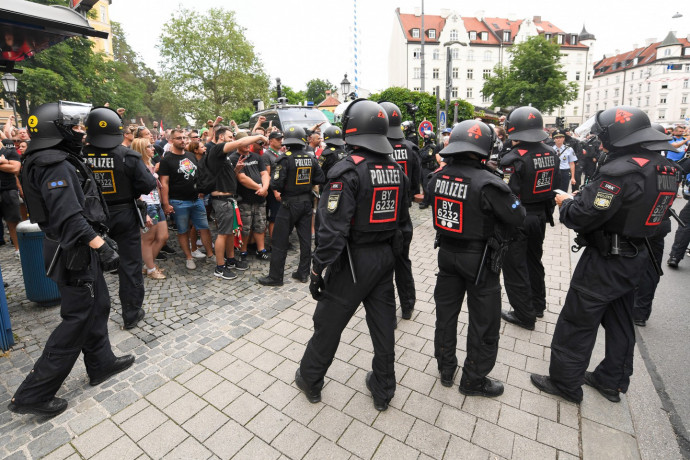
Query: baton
x,y
349,258
53,262
142,222
675,215
482,262
652,257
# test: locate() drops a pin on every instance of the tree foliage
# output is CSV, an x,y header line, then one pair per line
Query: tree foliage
x,y
210,64
316,90
533,76
426,103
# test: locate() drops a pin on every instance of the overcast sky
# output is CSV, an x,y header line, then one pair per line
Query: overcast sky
x,y
322,31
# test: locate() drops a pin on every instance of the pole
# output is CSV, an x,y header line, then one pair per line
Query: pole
x,y
421,53
438,101
449,82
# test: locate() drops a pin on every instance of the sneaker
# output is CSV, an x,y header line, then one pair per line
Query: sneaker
x,y
198,254
262,255
189,263
243,255
198,242
236,264
225,273
161,256
16,253
672,262
167,249
156,275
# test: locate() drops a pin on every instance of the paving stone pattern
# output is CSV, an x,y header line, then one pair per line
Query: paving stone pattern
x,y
214,378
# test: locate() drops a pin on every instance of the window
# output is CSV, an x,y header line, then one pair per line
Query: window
x,y
561,39
454,92
630,101
606,94
646,101
506,35
596,106
631,89
104,16
641,74
664,86
473,35
649,87
616,93
436,55
667,52
470,55
416,53
587,108
485,36
434,73
687,68
618,78
433,91
683,112
684,99
485,98
577,76
662,114
487,56
547,36
469,93
486,73
685,84
573,41
415,33
597,95
455,53
588,97
605,105
662,99
639,101
416,88
417,72
432,33
470,74
453,34
455,73
575,110
639,87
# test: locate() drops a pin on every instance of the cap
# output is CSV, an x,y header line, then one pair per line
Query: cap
x,y
446,131
275,135
558,133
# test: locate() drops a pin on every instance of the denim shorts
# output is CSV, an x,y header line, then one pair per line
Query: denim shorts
x,y
155,212
189,210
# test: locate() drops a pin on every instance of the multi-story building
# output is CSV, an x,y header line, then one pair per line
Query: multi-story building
x,y
476,46
655,78
101,22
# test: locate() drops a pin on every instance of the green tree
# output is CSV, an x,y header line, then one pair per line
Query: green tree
x,y
534,76
316,90
210,64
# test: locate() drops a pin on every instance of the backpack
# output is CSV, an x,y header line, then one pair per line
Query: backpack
x,y
205,178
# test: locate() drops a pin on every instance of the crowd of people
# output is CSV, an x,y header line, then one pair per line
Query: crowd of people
x,y
492,190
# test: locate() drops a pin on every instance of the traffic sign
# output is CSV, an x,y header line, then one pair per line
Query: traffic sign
x,y
425,126
442,119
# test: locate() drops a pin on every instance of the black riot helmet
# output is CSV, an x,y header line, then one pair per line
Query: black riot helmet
x,y
104,128
295,135
624,126
365,124
333,136
407,128
659,127
470,136
50,124
526,124
394,120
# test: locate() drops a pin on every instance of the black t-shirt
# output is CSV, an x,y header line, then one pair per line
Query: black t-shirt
x,y
253,167
8,181
226,181
181,170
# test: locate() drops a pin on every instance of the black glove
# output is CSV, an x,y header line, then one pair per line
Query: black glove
x,y
110,260
110,242
317,286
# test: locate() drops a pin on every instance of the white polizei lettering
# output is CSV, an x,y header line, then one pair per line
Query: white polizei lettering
x,y
544,162
385,177
303,161
454,189
400,154
95,162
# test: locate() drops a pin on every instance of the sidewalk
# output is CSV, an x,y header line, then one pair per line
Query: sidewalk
x,y
215,369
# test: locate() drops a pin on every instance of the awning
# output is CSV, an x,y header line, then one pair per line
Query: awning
x,y
27,28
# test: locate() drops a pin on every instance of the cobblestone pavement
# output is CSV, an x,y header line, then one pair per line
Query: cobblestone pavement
x,y
214,378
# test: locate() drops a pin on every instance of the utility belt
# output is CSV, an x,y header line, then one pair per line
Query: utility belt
x,y
393,238
230,197
609,244
545,207
287,200
457,245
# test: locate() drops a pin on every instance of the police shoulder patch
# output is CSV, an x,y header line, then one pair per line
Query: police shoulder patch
x,y
57,183
603,200
333,200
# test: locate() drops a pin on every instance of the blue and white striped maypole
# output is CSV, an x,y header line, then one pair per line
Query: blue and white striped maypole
x,y
356,50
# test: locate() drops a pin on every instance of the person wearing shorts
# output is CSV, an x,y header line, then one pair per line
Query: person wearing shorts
x,y
177,173
9,194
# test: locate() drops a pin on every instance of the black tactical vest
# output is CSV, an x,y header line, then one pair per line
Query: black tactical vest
x,y
300,169
330,156
639,218
456,197
401,154
109,168
539,171
380,193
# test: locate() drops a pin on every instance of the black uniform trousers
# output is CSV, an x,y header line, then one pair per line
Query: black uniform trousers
x,y
374,270
644,294
84,311
682,237
124,229
523,271
601,292
457,274
292,214
425,181
404,280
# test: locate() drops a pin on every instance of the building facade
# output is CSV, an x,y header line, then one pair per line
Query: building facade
x,y
654,78
476,46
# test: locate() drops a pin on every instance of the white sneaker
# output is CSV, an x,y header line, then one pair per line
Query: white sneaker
x,y
198,254
16,253
198,242
190,264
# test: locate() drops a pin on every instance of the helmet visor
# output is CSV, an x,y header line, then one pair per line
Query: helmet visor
x,y
73,113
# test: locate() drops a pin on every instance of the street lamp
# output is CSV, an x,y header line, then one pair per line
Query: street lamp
x,y
9,84
345,88
449,68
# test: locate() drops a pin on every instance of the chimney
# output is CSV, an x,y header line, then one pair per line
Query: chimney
x,y
635,46
417,11
649,41
328,92
537,19
480,14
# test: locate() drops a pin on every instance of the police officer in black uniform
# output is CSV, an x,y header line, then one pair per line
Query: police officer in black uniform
x,y
427,158
532,167
296,173
469,203
623,205
334,151
63,198
409,162
123,177
363,208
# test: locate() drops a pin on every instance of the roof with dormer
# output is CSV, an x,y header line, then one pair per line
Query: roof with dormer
x,y
639,57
